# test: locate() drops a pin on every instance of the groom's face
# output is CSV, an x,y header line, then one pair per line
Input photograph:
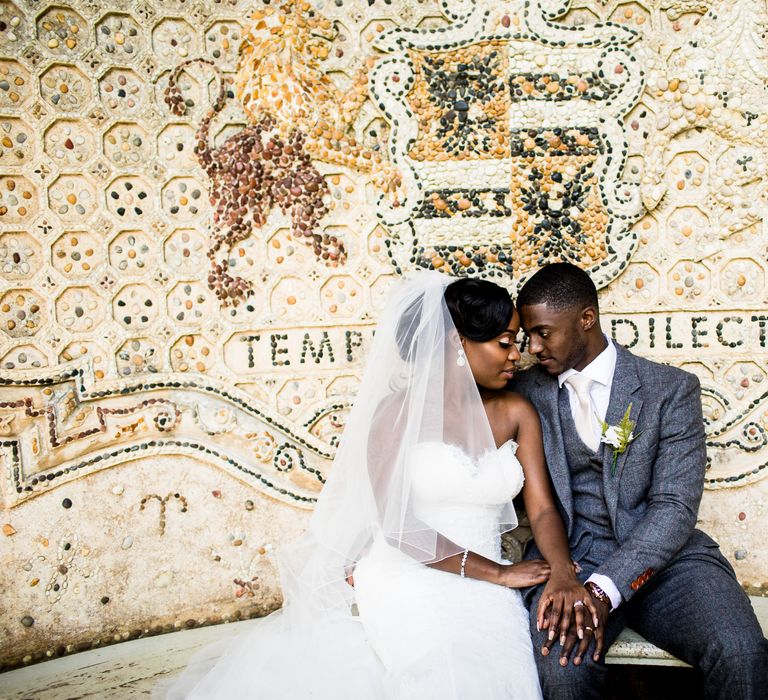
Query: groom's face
x,y
557,338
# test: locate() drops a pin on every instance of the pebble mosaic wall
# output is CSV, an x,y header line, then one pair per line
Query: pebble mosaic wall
x,y
203,204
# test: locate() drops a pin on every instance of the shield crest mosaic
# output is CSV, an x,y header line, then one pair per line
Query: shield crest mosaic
x,y
507,129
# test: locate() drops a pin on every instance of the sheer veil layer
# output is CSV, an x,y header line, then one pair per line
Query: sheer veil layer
x,y
413,392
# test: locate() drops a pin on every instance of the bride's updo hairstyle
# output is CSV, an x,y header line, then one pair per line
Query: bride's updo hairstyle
x,y
481,310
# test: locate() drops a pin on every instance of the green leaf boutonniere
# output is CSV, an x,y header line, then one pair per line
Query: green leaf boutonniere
x,y
619,436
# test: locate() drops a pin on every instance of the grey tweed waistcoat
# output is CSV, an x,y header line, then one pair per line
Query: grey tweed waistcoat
x,y
592,538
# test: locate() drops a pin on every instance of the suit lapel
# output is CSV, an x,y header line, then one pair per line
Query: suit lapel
x,y
624,391
549,414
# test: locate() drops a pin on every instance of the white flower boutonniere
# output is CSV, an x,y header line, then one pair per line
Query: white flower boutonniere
x,y
619,436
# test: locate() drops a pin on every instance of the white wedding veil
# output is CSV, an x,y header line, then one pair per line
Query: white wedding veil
x,y
415,391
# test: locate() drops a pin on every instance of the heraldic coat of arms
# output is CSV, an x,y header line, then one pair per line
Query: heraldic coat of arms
x,y
507,128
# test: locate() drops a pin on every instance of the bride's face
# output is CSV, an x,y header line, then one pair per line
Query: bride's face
x,y
493,361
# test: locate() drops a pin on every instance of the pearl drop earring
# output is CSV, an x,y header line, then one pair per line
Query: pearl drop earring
x,y
461,358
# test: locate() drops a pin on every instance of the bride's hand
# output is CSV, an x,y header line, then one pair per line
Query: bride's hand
x,y
564,602
524,573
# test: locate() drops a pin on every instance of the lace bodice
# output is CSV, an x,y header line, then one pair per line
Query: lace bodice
x,y
466,499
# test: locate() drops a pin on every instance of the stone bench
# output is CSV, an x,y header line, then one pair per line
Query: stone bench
x,y
631,649
130,669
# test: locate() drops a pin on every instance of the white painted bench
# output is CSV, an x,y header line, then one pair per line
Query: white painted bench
x,y
130,669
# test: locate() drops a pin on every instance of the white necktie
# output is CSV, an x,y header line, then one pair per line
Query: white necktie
x,y
584,417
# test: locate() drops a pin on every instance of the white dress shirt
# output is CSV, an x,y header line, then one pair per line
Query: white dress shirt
x,y
600,371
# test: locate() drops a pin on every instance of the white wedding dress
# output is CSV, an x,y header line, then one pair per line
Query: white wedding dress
x,y
420,634
439,635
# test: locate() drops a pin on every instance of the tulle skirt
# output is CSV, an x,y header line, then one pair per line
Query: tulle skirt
x,y
273,660
442,636
421,634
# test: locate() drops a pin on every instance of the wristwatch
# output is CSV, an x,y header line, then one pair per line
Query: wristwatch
x,y
598,593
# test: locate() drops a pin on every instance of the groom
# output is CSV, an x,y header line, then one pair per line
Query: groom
x,y
630,518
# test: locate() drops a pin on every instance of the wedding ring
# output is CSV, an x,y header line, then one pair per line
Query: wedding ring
x,y
578,604
587,627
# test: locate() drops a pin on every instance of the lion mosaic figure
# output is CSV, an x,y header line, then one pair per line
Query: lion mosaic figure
x,y
280,75
296,115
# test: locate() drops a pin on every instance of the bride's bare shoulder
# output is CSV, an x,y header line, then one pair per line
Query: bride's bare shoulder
x,y
514,410
513,402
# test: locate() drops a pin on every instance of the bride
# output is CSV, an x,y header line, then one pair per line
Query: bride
x,y
398,590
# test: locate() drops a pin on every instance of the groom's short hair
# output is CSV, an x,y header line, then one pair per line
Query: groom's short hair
x,y
561,286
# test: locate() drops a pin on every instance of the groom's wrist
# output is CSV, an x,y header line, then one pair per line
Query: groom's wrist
x,y
598,593
606,584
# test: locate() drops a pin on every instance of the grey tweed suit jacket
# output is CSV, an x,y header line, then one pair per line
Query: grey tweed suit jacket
x,y
653,498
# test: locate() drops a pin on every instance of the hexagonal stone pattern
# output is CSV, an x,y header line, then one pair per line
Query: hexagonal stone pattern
x,y
189,303
131,251
185,250
21,313
17,142
18,199
20,255
73,198
119,36
62,32
122,92
342,297
290,298
192,353
79,310
137,356
222,41
13,27
24,357
96,354
174,39
689,280
65,88
69,143
76,253
129,198
183,199
15,85
135,307
126,145
174,146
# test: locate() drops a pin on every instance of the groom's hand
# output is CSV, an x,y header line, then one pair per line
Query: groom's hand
x,y
592,632
598,633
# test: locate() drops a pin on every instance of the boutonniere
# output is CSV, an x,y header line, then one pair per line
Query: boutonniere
x,y
619,437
